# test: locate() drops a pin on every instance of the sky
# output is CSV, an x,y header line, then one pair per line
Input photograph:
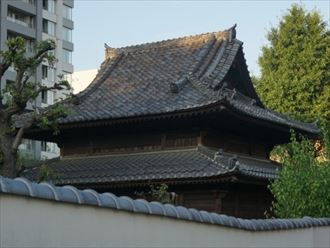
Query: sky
x,y
123,23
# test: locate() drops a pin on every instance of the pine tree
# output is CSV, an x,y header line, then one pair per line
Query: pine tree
x,y
295,66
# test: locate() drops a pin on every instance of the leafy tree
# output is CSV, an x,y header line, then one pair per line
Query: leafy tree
x,y
303,186
46,173
16,95
295,66
160,193
157,193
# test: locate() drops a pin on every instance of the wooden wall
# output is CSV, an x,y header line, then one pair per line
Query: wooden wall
x,y
132,142
245,201
234,199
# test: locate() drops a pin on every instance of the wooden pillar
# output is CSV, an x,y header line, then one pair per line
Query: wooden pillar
x,y
219,195
163,141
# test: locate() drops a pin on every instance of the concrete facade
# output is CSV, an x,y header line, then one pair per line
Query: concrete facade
x,y
37,20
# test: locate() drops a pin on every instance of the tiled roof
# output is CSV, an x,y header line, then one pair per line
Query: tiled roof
x,y
186,164
69,194
171,76
247,107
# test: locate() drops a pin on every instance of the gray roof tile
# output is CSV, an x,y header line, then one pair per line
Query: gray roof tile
x,y
195,163
148,79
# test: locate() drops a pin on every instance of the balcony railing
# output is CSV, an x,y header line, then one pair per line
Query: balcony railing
x,y
23,23
32,2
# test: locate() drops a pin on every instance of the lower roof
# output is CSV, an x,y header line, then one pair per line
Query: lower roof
x,y
197,163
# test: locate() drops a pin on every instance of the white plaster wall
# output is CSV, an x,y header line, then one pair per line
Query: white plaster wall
x,y
81,79
29,222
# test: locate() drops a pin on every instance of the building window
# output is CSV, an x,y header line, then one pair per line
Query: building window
x,y
49,5
47,146
44,98
43,146
67,12
67,34
48,27
67,56
48,73
44,69
26,144
29,45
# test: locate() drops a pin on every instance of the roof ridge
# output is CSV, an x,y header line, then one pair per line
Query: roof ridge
x,y
217,76
157,44
237,164
229,34
217,44
201,149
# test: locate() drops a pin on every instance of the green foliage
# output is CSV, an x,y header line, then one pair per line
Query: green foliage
x,y
25,160
160,193
303,186
48,118
157,193
18,93
45,173
17,56
23,90
295,66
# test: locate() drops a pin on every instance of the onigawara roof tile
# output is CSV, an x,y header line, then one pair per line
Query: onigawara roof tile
x,y
70,194
186,164
172,76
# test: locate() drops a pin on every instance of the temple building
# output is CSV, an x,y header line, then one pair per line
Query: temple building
x,y
182,112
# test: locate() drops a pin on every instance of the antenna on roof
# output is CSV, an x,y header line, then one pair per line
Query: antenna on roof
x,y
232,33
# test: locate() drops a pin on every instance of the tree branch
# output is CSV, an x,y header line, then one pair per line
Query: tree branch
x,y
18,81
13,110
56,86
24,81
18,138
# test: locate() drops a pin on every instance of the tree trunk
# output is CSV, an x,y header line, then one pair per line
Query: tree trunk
x,y
9,157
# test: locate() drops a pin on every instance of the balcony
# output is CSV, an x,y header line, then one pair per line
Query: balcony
x,y
32,2
23,23
28,6
21,18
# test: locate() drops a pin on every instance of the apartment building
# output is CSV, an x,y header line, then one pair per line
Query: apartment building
x,y
37,20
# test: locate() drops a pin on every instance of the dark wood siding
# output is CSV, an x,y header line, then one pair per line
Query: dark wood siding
x,y
129,142
235,143
233,199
